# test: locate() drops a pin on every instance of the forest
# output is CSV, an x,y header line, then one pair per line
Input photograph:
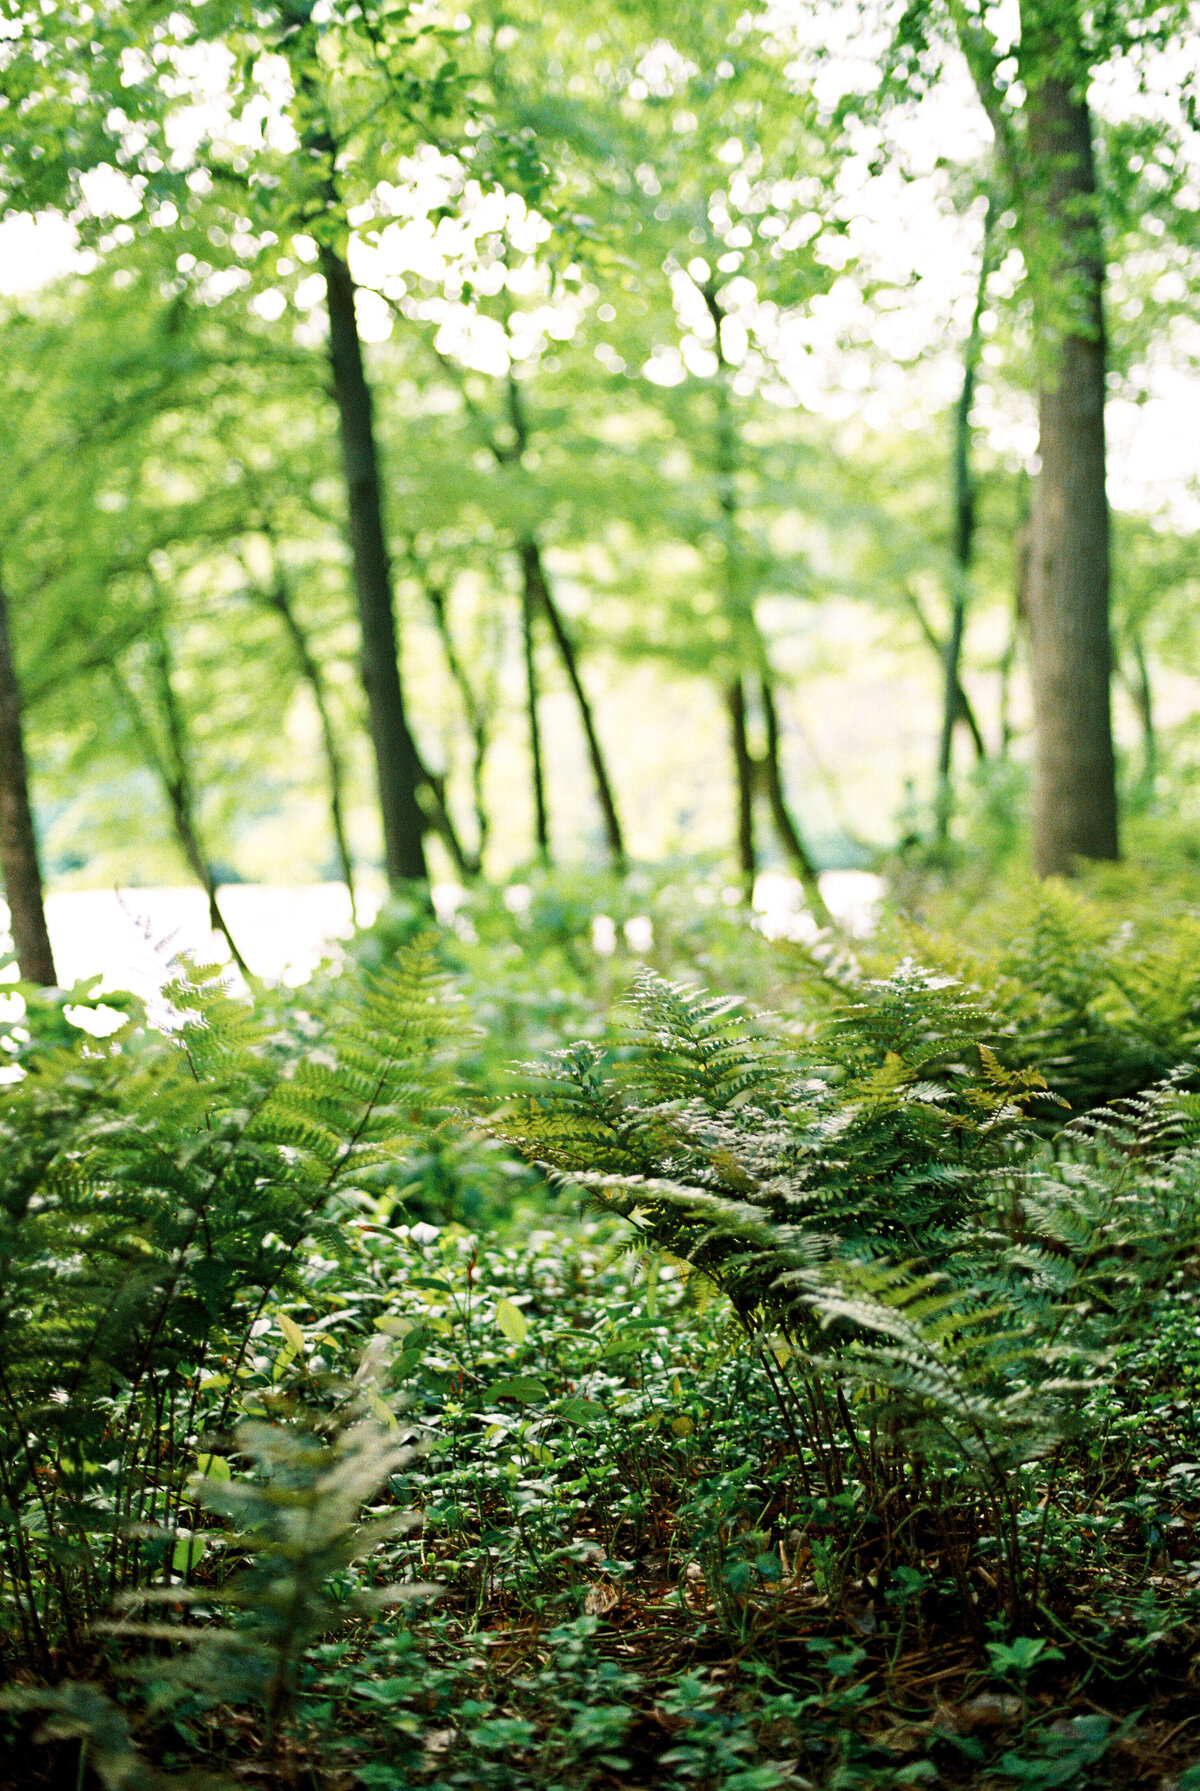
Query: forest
x,y
671,531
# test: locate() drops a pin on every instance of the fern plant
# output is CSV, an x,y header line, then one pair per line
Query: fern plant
x,y
156,1193
1102,998
295,1514
928,1288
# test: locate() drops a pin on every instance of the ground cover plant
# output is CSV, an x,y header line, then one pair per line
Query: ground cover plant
x,y
742,1394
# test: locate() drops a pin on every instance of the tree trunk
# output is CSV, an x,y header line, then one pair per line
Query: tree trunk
x,y
1018,612
1141,692
1075,801
739,610
281,601
541,823
963,539
18,842
964,711
396,760
433,789
743,771
173,773
785,826
474,706
538,596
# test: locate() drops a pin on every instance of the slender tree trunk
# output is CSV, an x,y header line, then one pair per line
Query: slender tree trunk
x,y
785,825
964,711
735,606
18,842
963,538
541,822
1008,660
1075,801
743,769
739,611
537,587
537,596
1142,693
433,789
474,707
1018,614
281,601
173,773
396,762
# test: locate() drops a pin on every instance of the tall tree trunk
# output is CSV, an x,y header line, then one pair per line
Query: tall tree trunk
x,y
1075,800
743,770
785,826
280,599
397,769
396,763
541,822
963,485
18,842
538,596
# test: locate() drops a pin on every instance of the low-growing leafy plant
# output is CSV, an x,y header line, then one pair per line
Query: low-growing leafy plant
x,y
156,1193
928,1291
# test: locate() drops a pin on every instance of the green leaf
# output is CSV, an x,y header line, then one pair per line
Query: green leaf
x,y
213,1467
383,1412
511,1321
292,1333
579,1411
187,1553
522,1388
394,1327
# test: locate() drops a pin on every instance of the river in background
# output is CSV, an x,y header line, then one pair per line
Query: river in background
x,y
128,938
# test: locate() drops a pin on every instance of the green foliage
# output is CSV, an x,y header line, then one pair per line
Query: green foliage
x,y
929,1293
158,1193
1092,988
298,1518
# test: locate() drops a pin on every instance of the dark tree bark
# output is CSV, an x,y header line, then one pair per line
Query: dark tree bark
x,y
18,842
171,767
280,599
396,763
743,770
1141,693
541,822
475,706
785,826
963,485
965,711
741,617
397,767
434,806
539,597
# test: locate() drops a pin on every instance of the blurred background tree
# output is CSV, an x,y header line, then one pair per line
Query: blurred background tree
x,y
654,437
